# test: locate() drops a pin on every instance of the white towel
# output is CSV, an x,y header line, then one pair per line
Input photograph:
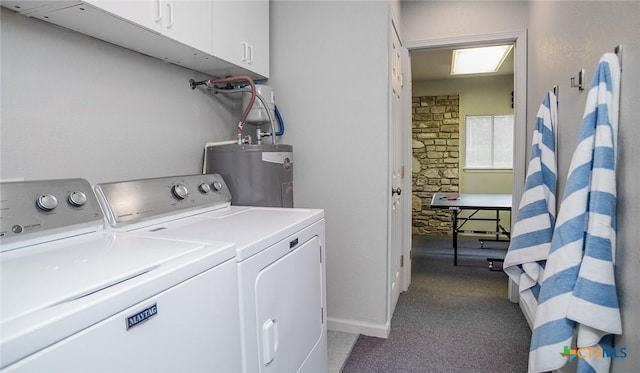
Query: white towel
x,y
533,229
578,285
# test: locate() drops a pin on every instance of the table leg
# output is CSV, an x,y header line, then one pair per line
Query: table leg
x,y
455,237
497,225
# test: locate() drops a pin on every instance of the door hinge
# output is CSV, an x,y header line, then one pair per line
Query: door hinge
x,y
402,172
321,315
320,254
401,260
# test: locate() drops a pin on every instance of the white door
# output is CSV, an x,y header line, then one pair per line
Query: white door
x,y
405,143
396,208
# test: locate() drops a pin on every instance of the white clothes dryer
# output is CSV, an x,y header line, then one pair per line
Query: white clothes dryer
x,y
280,259
77,298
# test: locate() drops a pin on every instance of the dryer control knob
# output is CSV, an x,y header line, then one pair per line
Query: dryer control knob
x,y
180,191
204,188
217,185
47,202
77,199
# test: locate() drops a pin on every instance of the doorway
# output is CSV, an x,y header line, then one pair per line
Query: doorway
x,y
518,39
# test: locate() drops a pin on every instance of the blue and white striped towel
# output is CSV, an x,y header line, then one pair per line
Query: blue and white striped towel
x,y
578,285
533,229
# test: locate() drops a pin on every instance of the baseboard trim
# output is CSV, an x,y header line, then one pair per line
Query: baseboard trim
x,y
525,305
358,327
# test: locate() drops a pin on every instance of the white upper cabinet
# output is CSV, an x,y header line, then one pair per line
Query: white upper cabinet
x,y
145,13
27,6
241,33
257,35
189,22
219,38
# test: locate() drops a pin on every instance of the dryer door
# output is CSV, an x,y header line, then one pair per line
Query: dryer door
x,y
289,308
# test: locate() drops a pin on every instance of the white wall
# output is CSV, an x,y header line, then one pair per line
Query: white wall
x,y
565,37
74,106
432,20
329,65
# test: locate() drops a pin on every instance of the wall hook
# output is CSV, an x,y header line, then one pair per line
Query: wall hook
x,y
580,84
618,51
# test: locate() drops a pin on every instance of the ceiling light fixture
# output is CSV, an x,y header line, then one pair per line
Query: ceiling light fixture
x,y
479,60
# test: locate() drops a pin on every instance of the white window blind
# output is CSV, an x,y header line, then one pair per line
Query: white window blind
x,y
489,141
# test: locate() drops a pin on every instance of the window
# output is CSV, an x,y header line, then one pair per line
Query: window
x,y
489,141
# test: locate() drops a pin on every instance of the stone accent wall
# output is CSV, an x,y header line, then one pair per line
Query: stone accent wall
x,y
436,136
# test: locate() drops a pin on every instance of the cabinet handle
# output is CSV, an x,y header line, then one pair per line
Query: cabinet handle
x,y
170,6
158,11
245,51
250,60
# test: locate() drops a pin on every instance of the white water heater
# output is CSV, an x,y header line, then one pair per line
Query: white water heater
x,y
259,114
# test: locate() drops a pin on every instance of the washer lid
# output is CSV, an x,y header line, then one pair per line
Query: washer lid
x,y
52,290
42,276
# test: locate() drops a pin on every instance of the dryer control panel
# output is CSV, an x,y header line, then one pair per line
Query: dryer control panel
x,y
134,201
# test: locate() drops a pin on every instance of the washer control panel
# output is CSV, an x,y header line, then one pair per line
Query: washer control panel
x,y
28,208
133,201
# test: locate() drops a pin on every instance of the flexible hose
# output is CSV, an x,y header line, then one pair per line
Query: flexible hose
x,y
212,82
278,117
280,120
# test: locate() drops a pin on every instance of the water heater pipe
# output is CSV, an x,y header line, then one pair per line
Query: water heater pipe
x,y
245,113
272,120
211,83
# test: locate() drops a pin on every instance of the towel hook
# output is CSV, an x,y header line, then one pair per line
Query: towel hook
x,y
580,84
618,51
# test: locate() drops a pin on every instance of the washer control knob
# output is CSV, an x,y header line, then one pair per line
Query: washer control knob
x,y
77,199
204,188
180,191
217,185
47,202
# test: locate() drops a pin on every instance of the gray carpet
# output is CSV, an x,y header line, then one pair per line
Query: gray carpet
x,y
452,319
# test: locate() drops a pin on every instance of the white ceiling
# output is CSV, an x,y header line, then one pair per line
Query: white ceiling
x,y
436,64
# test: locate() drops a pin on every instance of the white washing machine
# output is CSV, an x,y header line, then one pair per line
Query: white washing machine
x,y
280,258
77,298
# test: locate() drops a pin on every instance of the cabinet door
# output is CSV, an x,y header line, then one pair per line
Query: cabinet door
x,y
145,13
228,31
257,36
189,22
241,34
